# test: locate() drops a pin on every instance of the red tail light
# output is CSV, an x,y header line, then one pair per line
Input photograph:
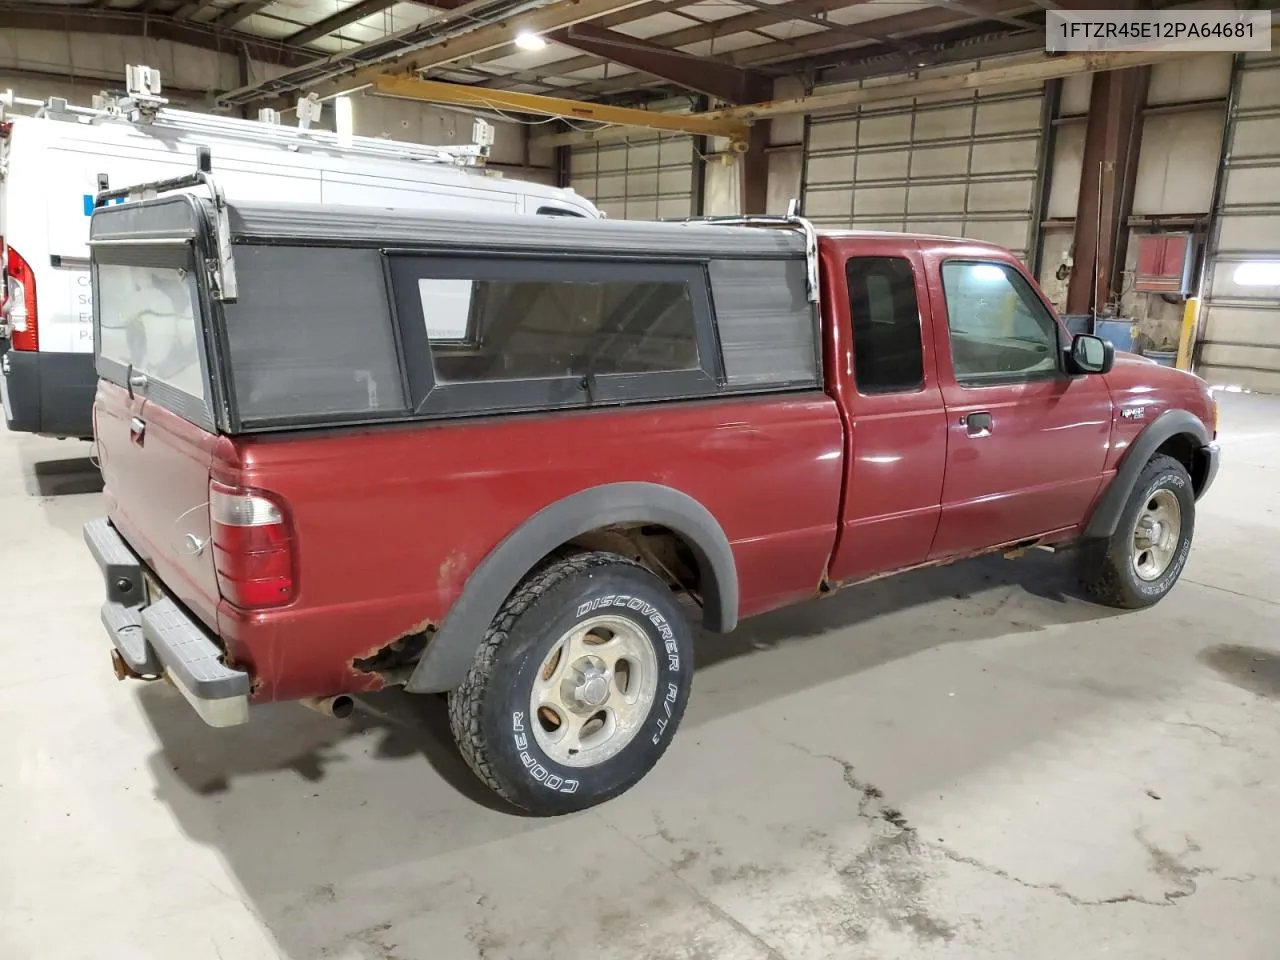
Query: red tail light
x,y
20,300
252,548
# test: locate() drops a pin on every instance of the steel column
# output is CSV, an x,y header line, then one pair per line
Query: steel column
x,y
754,181
1044,173
1107,174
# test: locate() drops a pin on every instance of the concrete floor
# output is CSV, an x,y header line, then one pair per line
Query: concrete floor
x,y
958,763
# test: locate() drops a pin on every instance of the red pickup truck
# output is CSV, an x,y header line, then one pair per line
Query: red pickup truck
x,y
346,449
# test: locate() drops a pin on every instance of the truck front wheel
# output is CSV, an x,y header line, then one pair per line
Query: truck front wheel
x,y
578,686
1143,558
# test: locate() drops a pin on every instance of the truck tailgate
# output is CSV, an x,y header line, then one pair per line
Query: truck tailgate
x,y
155,466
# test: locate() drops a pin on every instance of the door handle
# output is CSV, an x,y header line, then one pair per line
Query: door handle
x,y
977,424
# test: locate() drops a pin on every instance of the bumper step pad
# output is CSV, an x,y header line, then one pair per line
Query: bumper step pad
x,y
124,625
161,637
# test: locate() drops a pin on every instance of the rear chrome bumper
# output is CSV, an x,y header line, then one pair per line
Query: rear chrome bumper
x,y
155,636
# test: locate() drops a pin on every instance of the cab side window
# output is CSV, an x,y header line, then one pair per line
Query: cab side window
x,y
887,353
1000,329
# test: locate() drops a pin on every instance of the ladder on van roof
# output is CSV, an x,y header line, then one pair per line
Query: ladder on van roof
x,y
142,105
791,220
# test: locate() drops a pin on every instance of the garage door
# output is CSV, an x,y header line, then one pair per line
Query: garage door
x,y
1240,333
958,168
641,179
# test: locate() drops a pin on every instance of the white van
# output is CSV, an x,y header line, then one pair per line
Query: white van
x,y
51,167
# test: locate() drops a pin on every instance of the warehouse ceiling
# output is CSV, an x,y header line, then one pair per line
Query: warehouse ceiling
x,y
628,50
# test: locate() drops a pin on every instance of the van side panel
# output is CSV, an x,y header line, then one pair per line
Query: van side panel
x,y
400,516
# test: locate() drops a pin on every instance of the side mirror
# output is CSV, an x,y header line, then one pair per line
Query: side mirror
x,y
1092,354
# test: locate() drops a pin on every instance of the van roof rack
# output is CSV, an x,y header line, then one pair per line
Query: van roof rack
x,y
223,269
791,220
142,105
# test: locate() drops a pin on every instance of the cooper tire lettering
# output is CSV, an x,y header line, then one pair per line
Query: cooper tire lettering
x,y
511,757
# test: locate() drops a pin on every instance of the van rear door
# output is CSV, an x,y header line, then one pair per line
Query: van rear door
x,y
154,413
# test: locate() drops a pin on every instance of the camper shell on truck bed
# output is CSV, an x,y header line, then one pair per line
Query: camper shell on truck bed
x,y
351,448
328,325
53,156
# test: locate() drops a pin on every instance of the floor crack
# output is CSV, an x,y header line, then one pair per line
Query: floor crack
x,y
1056,888
872,808
871,805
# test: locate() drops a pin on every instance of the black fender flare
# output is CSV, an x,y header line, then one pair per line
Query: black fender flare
x,y
1106,515
451,651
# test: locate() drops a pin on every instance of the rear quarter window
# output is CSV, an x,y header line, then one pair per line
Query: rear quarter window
x,y
310,335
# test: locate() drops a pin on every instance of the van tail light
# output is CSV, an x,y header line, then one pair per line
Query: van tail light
x,y
20,303
253,550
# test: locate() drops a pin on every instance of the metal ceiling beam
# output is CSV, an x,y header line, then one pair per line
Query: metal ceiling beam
x,y
731,84
970,10
344,72
370,56
1045,68
322,28
742,23
805,46
433,91
915,22
367,8
920,24
960,45
129,23
185,12
240,12
852,33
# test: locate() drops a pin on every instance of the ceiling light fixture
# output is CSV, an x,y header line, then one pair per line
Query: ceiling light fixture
x,y
527,40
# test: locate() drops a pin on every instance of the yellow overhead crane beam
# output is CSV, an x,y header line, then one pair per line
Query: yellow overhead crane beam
x,y
482,98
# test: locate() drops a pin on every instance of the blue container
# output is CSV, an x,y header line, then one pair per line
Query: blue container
x,y
1119,332
1162,358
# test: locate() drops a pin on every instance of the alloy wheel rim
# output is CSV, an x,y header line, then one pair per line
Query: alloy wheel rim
x,y
593,691
1156,535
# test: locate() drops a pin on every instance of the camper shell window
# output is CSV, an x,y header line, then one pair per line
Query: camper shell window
x,y
513,333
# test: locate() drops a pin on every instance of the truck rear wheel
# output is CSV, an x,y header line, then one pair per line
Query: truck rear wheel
x,y
1144,557
578,686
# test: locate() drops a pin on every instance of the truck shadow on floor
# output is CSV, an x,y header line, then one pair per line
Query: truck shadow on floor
x,y
62,478
1030,592
295,802
853,631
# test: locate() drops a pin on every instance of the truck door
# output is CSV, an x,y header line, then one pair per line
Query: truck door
x,y
895,424
1026,441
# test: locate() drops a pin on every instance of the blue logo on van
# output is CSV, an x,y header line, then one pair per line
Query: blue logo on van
x,y
88,203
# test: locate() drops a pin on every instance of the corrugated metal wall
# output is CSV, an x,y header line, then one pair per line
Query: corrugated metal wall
x,y
953,166
1177,168
1240,332
641,179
